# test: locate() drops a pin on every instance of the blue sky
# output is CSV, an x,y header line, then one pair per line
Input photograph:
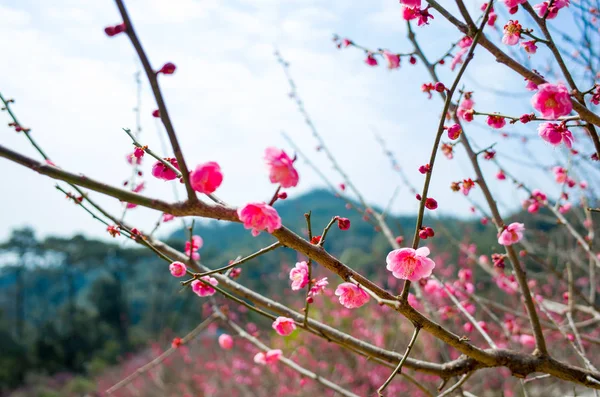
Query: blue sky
x,y
228,98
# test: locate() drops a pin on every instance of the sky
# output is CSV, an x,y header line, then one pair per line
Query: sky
x,y
228,99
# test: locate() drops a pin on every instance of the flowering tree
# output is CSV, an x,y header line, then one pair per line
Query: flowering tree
x,y
543,329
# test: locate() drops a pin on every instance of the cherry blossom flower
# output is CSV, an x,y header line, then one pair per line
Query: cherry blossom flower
x,y
512,234
465,42
529,46
500,175
370,60
113,230
351,295
454,131
176,343
270,357
512,33
299,276
552,100
177,269
393,60
410,264
555,134
496,121
552,11
258,217
466,186
512,3
167,217
193,247
318,287
411,3
560,174
225,341
527,340
161,171
281,167
202,289
284,326
206,178
465,114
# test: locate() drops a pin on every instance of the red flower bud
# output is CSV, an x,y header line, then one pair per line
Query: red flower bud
x,y
282,195
431,204
343,223
156,113
168,68
439,87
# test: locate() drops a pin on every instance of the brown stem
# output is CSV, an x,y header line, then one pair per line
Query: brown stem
x,y
162,107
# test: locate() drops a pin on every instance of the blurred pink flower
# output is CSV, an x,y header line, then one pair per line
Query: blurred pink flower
x,y
513,233
206,178
393,60
281,167
284,326
225,341
555,134
202,289
161,171
177,269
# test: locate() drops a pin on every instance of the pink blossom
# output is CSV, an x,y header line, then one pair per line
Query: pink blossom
x,y
555,134
423,16
393,60
552,11
465,42
465,114
284,326
370,60
500,175
583,184
133,159
566,207
177,269
531,86
512,33
513,233
299,276
560,174
411,3
161,171
466,186
467,103
458,58
202,289
167,217
529,46
527,340
192,249
281,167
496,121
270,357
454,131
410,264
512,3
225,341
258,217
206,178
552,100
318,287
351,295
409,13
